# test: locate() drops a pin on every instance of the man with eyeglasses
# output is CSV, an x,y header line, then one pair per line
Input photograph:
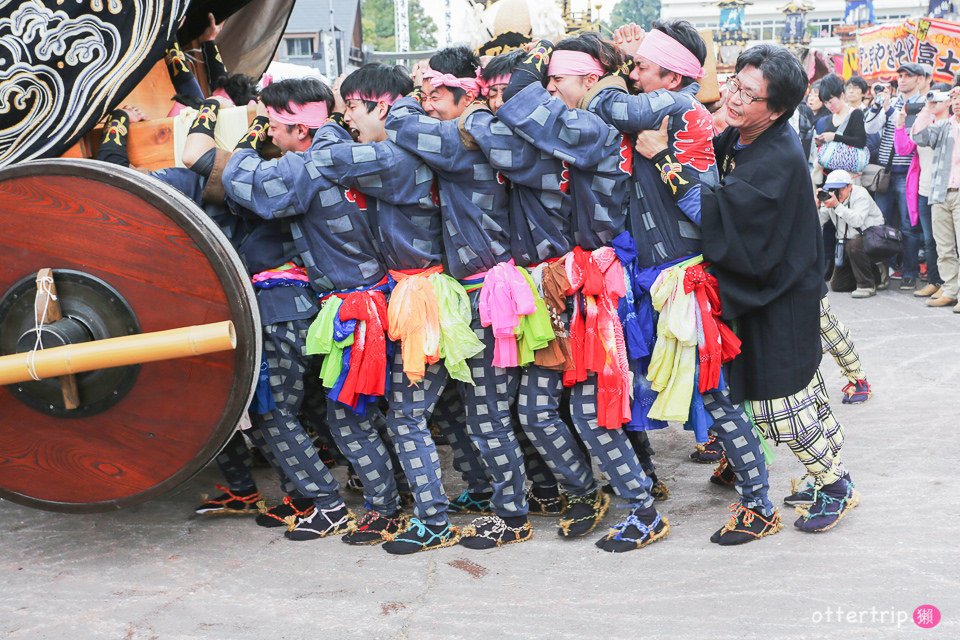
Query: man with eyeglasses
x,y
761,234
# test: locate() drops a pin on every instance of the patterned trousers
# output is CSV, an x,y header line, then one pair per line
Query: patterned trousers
x,y
837,342
538,408
803,421
449,418
410,409
279,432
489,420
741,445
610,449
235,461
358,439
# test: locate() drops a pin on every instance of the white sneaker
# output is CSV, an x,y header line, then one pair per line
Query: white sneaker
x,y
863,293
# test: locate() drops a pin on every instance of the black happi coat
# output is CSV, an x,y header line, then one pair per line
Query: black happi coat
x,y
762,234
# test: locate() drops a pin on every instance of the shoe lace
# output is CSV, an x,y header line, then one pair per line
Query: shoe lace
x,y
633,521
230,496
287,500
746,516
368,519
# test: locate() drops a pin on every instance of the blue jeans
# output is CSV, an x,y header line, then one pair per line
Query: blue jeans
x,y
929,244
893,204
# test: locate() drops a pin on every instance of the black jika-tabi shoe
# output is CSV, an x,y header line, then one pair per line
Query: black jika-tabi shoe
x,y
803,495
487,532
709,452
374,528
830,504
229,503
639,529
276,516
420,536
546,501
471,503
583,514
320,523
723,475
746,525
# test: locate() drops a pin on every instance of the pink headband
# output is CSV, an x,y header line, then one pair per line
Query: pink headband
x,y
486,84
661,49
369,97
574,63
438,79
312,115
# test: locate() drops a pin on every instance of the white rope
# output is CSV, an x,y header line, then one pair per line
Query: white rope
x,y
46,286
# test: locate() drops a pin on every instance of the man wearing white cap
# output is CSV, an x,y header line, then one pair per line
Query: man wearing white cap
x,y
851,209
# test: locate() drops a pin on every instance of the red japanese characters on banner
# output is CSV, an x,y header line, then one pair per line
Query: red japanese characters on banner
x,y
882,49
938,45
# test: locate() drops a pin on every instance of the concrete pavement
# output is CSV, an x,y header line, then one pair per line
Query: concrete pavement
x,y
154,572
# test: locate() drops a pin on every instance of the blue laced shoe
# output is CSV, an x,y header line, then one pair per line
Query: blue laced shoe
x,y
422,537
473,503
634,533
830,504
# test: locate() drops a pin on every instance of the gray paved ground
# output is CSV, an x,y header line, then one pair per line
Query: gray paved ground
x,y
152,572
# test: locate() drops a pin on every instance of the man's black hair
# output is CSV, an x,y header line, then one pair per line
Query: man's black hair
x,y
831,86
940,86
459,62
240,87
503,65
785,77
300,91
857,82
687,35
593,44
377,79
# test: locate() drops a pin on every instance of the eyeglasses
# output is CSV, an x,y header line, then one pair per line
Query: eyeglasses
x,y
735,87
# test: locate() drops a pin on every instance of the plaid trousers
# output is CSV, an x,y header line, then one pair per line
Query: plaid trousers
x,y
837,342
801,421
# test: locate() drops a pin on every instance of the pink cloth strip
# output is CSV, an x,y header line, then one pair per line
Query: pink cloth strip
x,y
574,63
369,97
661,49
486,84
438,79
312,115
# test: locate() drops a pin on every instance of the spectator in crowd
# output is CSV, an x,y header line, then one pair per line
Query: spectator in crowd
x,y
881,118
941,136
919,178
855,93
851,209
844,123
813,101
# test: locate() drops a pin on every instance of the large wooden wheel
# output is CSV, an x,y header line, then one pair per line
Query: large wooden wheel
x,y
129,254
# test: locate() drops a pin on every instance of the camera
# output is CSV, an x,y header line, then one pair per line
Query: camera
x,y
877,88
912,108
824,194
938,96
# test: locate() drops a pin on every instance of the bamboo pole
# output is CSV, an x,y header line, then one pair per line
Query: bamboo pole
x,y
119,352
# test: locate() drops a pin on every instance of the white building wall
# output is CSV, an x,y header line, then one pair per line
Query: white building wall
x,y
764,20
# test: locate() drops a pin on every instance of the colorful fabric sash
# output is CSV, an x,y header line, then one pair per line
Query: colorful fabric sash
x,y
349,331
596,335
429,314
286,275
508,298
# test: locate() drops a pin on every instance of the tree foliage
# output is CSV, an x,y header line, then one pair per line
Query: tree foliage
x,y
643,12
379,31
